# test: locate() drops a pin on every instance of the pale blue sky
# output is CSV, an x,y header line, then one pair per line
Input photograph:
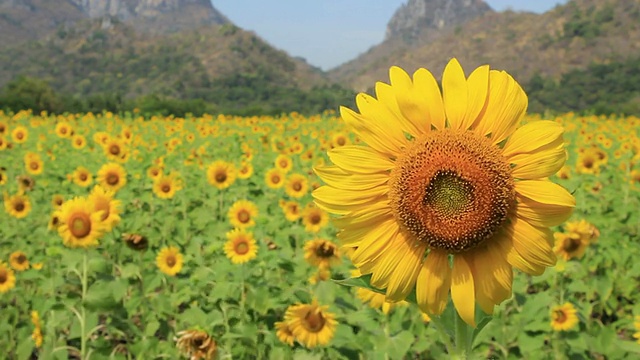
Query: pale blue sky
x,y
328,33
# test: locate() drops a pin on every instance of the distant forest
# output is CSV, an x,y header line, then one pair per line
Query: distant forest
x,y
599,89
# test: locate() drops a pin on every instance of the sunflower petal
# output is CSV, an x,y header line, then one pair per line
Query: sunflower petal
x,y
507,104
532,136
538,165
455,93
478,85
403,278
382,119
335,177
462,290
545,192
540,214
372,245
359,159
533,243
505,242
369,132
493,277
433,283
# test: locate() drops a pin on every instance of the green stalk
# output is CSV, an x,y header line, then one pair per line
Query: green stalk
x,y
463,338
83,338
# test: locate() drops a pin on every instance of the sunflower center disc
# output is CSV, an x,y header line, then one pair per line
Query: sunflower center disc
x,y
325,250
314,321
114,150
297,186
166,188
112,179
3,276
451,190
19,207
34,166
560,316
221,177
570,245
242,248
244,216
171,261
80,225
21,259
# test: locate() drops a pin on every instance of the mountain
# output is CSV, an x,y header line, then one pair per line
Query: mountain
x,y
24,20
566,38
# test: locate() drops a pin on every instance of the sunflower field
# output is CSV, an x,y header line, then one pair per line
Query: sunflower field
x,y
131,238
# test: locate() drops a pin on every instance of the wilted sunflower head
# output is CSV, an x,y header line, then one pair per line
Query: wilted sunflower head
x,y
321,253
26,183
196,344
135,242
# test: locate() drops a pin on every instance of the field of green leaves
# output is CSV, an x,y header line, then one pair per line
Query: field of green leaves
x,y
195,236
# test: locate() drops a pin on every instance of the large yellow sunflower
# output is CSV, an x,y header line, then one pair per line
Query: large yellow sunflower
x,y
449,195
221,174
17,205
19,261
311,324
242,214
296,186
79,223
169,260
112,176
7,278
240,246
103,200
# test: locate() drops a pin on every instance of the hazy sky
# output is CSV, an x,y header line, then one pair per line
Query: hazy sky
x,y
328,33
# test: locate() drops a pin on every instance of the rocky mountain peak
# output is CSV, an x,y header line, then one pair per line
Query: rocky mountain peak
x,y
416,16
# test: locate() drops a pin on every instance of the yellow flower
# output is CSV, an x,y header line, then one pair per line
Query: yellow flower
x,y
57,200
314,219
36,335
17,205
636,325
166,186
284,334
311,324
291,210
103,201
296,186
79,223
63,129
154,171
321,253
242,214
115,150
246,170
564,317
20,134
19,261
240,246
221,174
7,278
451,176
112,177
283,163
274,178
82,176
33,164
169,260
78,142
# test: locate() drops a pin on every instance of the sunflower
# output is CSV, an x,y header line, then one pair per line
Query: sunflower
x,y
221,174
103,200
240,246
78,142
588,163
449,194
33,164
291,210
63,130
166,186
3,143
112,176
115,150
274,178
20,134
169,260
3,177
321,253
79,223
7,278
339,139
135,242
3,128
26,183
57,200
284,334
564,317
296,186
196,344
36,335
242,214
314,219
154,171
82,176
246,170
17,205
19,261
283,163
311,324
54,222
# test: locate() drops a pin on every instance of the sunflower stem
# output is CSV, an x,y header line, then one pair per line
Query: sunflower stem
x,y
462,339
83,281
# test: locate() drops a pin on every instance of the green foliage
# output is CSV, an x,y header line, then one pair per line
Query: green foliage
x,y
600,89
29,93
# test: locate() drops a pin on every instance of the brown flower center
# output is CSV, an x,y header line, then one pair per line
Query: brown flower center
x,y
4,275
325,250
241,247
171,260
296,186
221,177
275,179
315,218
244,216
113,179
114,149
80,225
570,245
314,321
166,188
559,316
21,259
34,165
19,206
451,190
